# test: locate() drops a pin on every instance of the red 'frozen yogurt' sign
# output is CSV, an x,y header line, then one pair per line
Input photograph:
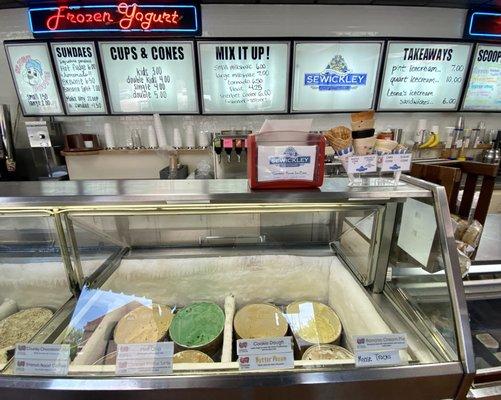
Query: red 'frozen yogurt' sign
x,y
123,17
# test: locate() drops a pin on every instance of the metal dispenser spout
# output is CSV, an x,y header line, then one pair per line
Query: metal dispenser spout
x,y
7,155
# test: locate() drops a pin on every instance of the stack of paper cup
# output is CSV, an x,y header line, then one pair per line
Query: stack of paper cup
x,y
152,138
203,139
159,131
177,141
108,136
190,137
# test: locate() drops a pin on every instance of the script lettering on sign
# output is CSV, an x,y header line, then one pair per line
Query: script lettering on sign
x,y
116,18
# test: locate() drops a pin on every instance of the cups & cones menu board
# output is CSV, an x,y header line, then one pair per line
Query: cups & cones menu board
x,y
335,76
34,78
483,92
423,76
78,71
150,77
244,77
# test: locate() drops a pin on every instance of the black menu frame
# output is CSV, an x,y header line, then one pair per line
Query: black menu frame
x,y
470,72
287,71
414,41
341,40
140,40
53,70
96,57
290,71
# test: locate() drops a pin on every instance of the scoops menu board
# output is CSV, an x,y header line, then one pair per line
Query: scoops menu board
x,y
484,86
335,76
34,78
79,77
244,77
423,76
150,77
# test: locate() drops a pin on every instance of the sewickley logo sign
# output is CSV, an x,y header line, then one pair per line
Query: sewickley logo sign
x,y
336,76
121,19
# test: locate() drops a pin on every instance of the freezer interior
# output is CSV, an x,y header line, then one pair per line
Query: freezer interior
x,y
166,261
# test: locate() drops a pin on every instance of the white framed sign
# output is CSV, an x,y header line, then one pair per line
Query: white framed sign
x,y
34,78
483,92
335,75
79,77
244,77
150,77
423,75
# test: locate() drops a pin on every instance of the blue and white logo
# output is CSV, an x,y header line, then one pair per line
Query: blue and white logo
x,y
290,159
361,169
394,167
336,76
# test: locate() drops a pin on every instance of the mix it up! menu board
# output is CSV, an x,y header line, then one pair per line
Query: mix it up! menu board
x,y
34,78
244,77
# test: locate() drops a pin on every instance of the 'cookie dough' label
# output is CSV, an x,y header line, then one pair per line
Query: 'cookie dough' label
x,y
266,353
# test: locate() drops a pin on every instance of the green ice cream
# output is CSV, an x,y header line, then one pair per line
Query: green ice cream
x,y
197,324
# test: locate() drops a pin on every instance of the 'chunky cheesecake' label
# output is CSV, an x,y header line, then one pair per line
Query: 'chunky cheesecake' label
x,y
41,359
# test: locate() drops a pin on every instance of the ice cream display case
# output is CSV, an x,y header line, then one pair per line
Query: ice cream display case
x,y
238,293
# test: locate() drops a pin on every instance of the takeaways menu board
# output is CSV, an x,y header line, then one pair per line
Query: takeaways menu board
x,y
244,77
484,87
423,76
150,77
34,78
79,77
335,76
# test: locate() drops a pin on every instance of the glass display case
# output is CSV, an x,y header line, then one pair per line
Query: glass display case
x,y
483,295
204,265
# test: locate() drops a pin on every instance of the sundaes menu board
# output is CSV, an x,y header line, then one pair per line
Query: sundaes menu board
x,y
150,77
79,77
423,76
335,76
484,87
244,77
34,78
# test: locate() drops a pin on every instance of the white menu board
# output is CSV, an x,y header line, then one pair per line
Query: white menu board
x,y
483,92
423,76
335,76
34,78
79,77
244,77
150,77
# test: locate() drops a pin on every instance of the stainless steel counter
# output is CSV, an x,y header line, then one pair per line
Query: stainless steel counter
x,y
20,194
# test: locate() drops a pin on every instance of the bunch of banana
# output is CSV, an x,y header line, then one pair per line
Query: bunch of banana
x,y
432,141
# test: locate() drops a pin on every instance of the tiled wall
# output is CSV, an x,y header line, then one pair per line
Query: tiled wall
x,y
268,21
